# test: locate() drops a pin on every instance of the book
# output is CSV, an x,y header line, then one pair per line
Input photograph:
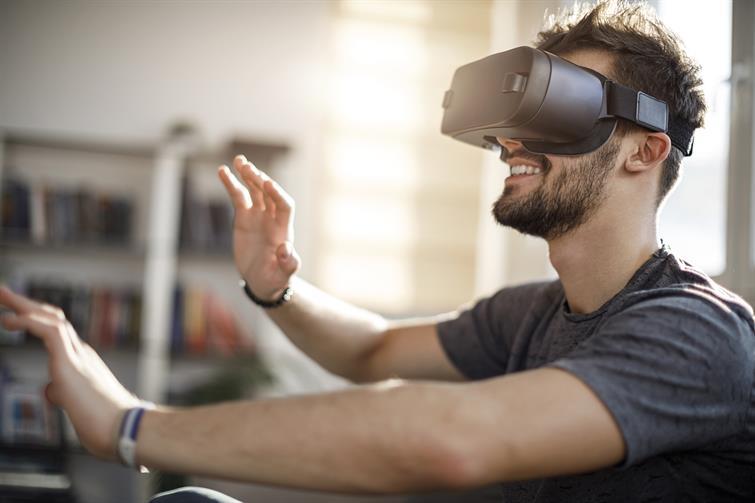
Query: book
x,y
105,317
14,214
27,417
206,226
41,214
202,324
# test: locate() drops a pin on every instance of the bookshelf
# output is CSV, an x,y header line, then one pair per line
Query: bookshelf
x,y
118,234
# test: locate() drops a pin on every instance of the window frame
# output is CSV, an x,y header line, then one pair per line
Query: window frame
x,y
739,274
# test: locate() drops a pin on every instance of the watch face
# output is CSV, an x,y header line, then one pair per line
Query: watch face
x,y
126,448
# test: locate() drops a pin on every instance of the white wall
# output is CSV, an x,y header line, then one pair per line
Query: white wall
x,y
122,71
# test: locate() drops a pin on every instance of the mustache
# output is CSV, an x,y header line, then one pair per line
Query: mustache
x,y
526,154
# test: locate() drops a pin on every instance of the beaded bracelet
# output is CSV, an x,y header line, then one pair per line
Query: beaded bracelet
x,y
267,304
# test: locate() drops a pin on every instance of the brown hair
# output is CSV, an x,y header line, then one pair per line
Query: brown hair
x,y
647,56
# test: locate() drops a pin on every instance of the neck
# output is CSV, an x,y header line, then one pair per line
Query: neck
x,y
597,260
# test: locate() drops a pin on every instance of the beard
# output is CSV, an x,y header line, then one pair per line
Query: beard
x,y
569,201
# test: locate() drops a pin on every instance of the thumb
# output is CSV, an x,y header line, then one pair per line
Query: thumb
x,y
51,394
287,258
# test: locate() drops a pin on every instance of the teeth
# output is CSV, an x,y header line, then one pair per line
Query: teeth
x,y
525,170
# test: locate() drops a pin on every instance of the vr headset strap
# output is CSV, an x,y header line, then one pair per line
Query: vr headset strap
x,y
648,112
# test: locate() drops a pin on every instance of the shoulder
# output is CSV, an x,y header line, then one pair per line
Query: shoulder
x,y
478,338
683,316
506,306
688,306
688,324
675,367
682,299
678,288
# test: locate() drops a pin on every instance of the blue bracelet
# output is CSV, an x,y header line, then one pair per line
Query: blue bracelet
x,y
127,434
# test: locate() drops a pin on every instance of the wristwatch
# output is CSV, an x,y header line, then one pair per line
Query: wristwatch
x,y
127,434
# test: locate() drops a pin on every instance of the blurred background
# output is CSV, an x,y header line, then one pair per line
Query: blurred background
x,y
115,115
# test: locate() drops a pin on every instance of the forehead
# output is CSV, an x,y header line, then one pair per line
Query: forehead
x,y
600,61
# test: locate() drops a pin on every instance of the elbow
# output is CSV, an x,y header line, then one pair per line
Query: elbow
x,y
365,368
422,455
361,375
363,365
433,469
456,469
356,372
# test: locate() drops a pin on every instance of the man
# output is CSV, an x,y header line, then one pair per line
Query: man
x,y
628,379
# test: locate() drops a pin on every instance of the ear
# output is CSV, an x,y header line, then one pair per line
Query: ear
x,y
650,151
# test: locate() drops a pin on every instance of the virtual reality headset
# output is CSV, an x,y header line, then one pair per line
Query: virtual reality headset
x,y
550,105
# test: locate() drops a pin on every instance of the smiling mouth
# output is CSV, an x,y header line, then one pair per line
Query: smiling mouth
x,y
525,164
524,170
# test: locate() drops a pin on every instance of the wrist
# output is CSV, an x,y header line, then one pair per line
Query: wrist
x,y
112,453
275,299
128,432
272,296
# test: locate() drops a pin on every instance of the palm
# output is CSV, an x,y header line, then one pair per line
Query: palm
x,y
263,229
256,237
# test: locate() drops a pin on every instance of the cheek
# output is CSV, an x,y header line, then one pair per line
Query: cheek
x,y
555,169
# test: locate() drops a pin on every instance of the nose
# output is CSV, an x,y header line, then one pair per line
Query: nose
x,y
508,144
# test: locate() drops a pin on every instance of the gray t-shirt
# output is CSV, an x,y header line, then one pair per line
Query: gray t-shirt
x,y
672,356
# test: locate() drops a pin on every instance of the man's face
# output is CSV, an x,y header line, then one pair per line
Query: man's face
x,y
549,196
559,198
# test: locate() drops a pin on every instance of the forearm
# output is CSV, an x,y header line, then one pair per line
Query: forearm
x,y
377,439
338,335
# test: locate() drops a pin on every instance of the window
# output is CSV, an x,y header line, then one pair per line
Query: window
x,y
693,221
710,219
398,201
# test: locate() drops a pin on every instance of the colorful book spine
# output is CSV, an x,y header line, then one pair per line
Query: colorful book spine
x,y
202,324
40,214
105,317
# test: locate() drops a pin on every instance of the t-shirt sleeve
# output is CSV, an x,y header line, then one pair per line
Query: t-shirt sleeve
x,y
676,372
478,340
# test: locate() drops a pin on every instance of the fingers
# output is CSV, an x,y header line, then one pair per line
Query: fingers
x,y
253,180
284,204
266,195
54,332
23,306
41,320
16,302
54,311
236,190
269,204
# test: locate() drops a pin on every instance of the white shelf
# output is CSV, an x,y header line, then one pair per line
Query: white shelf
x,y
151,177
92,251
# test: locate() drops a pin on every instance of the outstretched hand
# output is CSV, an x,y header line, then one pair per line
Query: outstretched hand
x,y
80,382
263,229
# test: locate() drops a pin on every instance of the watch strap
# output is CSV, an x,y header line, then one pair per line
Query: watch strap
x,y
128,433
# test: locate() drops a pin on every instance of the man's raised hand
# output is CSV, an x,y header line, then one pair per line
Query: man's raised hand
x,y
80,382
263,229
